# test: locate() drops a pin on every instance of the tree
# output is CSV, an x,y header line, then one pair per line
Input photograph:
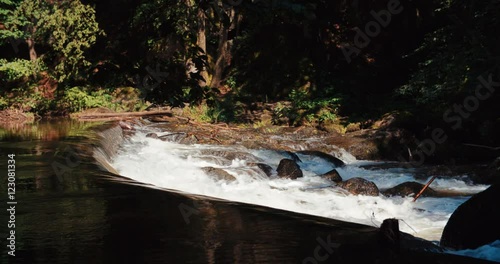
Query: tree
x,y
65,28
7,8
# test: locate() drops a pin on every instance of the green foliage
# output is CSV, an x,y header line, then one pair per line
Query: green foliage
x,y
67,29
19,69
225,108
213,110
7,8
303,107
4,103
454,55
199,113
77,99
167,33
28,99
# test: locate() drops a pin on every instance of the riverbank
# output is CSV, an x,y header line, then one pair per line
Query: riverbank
x,y
386,139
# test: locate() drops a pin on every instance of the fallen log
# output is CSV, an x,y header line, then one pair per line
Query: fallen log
x,y
120,116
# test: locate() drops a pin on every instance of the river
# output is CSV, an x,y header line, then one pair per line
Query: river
x,y
165,210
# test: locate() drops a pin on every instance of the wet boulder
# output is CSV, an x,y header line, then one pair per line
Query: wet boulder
x,y
125,125
332,175
329,158
218,174
475,222
359,186
188,140
174,137
291,155
409,189
268,170
289,169
230,155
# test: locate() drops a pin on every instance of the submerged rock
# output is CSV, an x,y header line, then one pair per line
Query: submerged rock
x,y
174,137
332,175
289,169
409,188
475,222
152,135
359,186
333,160
218,174
230,155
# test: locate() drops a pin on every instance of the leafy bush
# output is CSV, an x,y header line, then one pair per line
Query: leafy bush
x,y
199,113
77,99
19,69
4,103
304,108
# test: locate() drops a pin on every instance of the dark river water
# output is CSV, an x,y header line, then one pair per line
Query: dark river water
x,y
70,211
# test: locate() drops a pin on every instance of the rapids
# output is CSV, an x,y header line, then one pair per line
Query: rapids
x,y
179,167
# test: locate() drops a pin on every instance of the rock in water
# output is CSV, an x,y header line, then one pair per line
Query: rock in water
x,y
408,188
289,169
333,160
218,174
152,135
332,175
475,222
125,126
268,170
292,155
359,186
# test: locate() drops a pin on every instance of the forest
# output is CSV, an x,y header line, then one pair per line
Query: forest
x,y
432,63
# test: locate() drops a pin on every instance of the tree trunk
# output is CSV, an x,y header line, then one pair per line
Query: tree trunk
x,y
223,51
221,58
201,41
31,47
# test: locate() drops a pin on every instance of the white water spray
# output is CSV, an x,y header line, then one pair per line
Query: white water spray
x,y
176,166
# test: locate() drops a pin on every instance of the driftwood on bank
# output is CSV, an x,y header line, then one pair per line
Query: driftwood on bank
x,y
120,116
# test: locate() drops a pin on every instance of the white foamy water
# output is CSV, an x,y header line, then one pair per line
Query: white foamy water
x,y
176,166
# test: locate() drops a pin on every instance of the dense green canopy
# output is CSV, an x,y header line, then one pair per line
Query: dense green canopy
x,y
355,59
